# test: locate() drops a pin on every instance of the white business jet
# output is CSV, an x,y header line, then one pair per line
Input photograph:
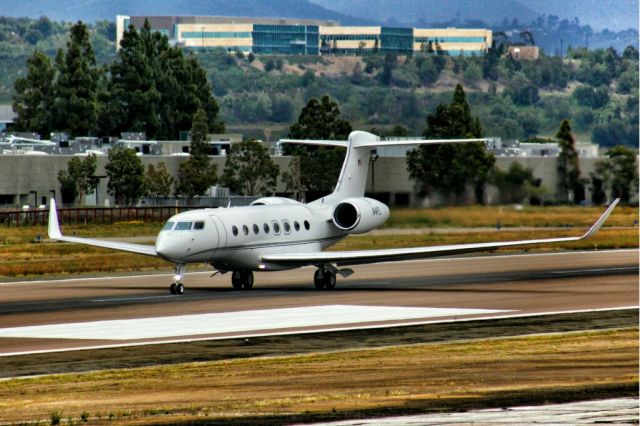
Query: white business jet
x,y
276,233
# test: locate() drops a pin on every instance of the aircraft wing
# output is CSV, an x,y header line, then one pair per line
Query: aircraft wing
x,y
343,258
55,234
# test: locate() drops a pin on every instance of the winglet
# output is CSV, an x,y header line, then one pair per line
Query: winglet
x,y
54,227
596,226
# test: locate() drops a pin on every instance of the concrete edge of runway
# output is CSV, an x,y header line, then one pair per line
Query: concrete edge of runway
x,y
315,331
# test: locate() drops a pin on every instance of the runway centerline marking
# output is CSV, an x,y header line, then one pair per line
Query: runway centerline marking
x,y
234,322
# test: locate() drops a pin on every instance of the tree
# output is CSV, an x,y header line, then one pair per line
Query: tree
x,y
158,181
33,99
154,88
624,172
197,174
79,178
514,184
570,186
249,169
449,168
472,74
316,169
75,90
126,175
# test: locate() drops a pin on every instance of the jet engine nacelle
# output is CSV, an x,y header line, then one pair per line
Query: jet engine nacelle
x,y
359,215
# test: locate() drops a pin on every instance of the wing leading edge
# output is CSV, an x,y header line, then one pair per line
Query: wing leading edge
x,y
344,258
55,234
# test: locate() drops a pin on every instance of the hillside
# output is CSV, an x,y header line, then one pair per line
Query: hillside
x,y
94,10
525,100
597,90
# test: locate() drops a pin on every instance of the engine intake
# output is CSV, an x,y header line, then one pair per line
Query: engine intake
x,y
359,215
346,216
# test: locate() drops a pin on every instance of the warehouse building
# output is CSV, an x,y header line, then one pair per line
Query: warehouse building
x,y
264,36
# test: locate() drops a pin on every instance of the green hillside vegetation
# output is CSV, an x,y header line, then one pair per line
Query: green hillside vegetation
x,y
597,91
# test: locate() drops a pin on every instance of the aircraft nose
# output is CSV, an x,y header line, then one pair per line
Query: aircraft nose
x,y
164,247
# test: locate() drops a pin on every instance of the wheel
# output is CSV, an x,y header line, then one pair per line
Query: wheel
x,y
317,280
248,280
329,280
179,289
236,280
172,288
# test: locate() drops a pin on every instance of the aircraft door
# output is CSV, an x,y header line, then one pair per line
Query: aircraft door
x,y
222,233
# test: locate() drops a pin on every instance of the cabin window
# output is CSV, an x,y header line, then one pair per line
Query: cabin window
x,y
245,230
256,230
276,227
296,226
286,226
167,226
198,226
306,225
234,230
183,226
266,228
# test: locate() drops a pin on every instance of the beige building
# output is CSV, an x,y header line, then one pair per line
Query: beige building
x,y
308,37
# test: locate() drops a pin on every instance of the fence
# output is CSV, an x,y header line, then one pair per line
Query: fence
x,y
74,216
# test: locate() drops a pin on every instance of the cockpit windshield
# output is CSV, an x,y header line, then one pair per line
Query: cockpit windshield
x,y
167,226
183,226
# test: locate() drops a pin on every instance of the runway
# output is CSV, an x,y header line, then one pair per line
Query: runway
x,y
119,311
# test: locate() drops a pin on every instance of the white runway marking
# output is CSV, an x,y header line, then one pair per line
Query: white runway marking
x,y
233,322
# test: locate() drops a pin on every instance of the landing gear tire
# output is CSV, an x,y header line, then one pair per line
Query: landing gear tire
x,y
236,280
318,280
248,280
242,279
329,280
179,289
172,288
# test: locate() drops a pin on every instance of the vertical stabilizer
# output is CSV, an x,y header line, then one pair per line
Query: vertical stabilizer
x,y
353,176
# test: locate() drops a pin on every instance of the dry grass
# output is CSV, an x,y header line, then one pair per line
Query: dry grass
x,y
20,257
509,216
605,239
400,378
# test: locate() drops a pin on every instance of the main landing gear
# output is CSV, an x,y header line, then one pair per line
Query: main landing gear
x,y
242,279
324,278
177,287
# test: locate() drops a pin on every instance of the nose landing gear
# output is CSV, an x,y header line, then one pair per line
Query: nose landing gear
x,y
176,287
242,279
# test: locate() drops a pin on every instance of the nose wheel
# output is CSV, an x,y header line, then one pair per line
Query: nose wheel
x,y
242,279
324,279
176,287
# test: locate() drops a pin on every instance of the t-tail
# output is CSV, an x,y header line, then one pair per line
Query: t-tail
x,y
360,147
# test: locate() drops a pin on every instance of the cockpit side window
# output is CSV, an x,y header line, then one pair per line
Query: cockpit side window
x,y
198,226
183,226
167,226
